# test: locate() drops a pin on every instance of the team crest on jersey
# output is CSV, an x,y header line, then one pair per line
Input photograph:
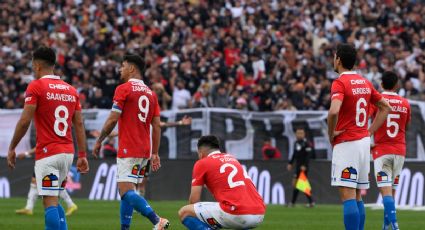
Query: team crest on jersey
x,y
50,181
213,223
135,170
381,177
396,179
349,173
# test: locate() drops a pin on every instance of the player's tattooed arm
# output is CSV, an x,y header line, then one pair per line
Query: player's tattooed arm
x,y
383,109
109,125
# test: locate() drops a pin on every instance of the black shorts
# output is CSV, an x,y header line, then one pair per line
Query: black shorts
x,y
298,171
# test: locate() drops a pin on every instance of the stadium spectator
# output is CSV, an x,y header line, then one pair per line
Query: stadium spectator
x,y
242,45
269,151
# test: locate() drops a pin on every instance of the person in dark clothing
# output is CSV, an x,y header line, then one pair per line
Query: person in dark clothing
x,y
303,151
269,151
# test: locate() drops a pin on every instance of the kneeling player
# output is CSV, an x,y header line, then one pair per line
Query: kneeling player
x,y
390,147
239,205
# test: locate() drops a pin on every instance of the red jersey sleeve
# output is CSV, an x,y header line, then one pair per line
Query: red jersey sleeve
x,y
375,96
77,105
120,96
337,91
198,175
32,94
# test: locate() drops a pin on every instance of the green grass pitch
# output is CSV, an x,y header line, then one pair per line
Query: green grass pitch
x,y
104,215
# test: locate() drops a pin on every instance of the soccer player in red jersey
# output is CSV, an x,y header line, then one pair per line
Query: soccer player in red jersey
x,y
389,147
351,96
238,206
135,109
55,106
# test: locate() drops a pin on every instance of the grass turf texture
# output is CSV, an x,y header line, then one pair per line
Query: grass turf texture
x,y
104,215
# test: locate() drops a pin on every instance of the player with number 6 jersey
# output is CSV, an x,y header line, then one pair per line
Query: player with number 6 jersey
x,y
238,206
55,107
135,109
389,149
352,95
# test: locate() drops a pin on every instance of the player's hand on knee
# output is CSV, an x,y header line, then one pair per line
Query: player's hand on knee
x,y
156,162
11,158
82,165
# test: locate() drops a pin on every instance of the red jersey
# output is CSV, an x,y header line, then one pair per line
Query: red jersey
x,y
138,105
357,95
226,179
390,138
56,103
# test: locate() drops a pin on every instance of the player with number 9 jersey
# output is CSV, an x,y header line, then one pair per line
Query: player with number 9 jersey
x,y
56,103
138,105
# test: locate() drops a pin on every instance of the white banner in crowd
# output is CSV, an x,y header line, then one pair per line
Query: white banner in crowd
x,y
241,132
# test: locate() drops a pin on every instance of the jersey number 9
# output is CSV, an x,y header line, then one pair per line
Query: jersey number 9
x,y
144,110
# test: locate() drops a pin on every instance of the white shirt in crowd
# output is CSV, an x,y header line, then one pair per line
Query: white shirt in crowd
x,y
181,98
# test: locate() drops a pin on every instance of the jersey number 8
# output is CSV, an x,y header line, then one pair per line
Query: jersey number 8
x,y
61,120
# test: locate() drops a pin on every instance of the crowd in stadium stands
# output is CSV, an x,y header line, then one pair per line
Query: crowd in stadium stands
x,y
248,55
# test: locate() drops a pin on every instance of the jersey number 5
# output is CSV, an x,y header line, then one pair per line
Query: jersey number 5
x,y
361,106
144,110
393,123
61,120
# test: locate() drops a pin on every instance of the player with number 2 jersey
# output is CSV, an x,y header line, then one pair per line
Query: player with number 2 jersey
x,y
238,206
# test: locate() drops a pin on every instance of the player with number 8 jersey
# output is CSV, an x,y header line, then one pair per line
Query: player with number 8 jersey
x,y
55,107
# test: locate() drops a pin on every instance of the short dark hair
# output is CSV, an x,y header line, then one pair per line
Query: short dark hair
x,y
45,54
209,141
136,60
347,54
389,80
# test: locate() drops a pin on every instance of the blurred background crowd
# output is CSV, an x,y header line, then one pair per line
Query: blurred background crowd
x,y
250,55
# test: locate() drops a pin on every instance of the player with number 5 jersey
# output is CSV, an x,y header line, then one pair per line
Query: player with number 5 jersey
x,y
238,206
389,148
135,109
351,97
55,107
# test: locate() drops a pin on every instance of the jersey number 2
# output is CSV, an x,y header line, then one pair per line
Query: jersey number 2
x,y
144,110
232,174
61,120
